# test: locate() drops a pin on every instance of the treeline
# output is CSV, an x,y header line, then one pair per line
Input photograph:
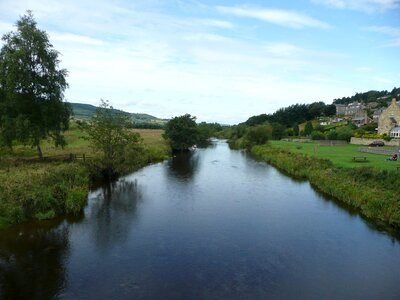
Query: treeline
x,y
146,125
370,96
183,132
294,114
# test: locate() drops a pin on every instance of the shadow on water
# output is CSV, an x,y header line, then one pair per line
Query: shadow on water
x,y
114,211
352,211
183,165
32,260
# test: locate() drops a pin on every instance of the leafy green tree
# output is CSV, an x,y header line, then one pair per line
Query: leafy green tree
x,y
206,131
278,131
332,135
258,135
181,132
330,110
31,87
308,128
296,130
108,134
344,133
317,135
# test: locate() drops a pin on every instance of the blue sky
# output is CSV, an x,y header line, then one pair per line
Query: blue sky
x,y
221,61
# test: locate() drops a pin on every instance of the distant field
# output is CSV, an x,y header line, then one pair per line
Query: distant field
x,y
78,145
341,156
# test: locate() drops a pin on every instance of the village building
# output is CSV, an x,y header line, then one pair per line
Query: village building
x,y
361,118
390,119
377,113
395,132
349,110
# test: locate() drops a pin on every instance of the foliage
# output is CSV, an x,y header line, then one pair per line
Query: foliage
x,y
207,130
42,191
344,133
258,135
294,114
368,97
32,87
308,128
317,135
109,136
181,132
278,131
296,130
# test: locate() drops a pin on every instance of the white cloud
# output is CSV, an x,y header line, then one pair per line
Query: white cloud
x,y
215,23
369,6
74,38
276,16
146,59
393,32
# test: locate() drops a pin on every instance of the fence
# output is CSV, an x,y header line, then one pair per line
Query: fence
x,y
7,163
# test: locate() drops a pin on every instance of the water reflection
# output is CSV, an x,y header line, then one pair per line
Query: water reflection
x,y
32,260
183,165
114,211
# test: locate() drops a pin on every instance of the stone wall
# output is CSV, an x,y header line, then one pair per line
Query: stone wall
x,y
362,141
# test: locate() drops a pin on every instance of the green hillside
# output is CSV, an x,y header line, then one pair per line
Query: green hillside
x,y
85,111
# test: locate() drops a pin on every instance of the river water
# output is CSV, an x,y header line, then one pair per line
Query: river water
x,y
213,224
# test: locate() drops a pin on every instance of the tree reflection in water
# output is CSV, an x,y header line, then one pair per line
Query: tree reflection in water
x,y
114,211
183,165
32,259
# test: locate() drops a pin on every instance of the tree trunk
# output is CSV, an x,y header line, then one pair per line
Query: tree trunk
x,y
39,151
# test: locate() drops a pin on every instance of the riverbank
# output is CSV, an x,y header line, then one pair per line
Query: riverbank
x,y
33,189
372,191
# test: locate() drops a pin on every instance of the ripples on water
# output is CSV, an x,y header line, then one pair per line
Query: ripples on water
x,y
213,224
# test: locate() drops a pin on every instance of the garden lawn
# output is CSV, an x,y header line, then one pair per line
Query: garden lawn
x,y
340,156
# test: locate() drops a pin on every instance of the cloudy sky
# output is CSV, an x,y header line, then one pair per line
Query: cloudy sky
x,y
221,61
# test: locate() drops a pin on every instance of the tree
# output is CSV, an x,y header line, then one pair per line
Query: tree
x,y
108,134
258,135
308,128
31,87
181,132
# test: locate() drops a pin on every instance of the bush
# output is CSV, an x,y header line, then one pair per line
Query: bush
x,y
258,135
317,135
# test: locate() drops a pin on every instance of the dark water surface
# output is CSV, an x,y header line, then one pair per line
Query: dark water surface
x,y
214,224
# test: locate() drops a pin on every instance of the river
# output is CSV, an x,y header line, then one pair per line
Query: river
x,y
212,224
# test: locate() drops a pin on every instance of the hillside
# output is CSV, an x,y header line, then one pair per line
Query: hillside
x,y
381,97
86,111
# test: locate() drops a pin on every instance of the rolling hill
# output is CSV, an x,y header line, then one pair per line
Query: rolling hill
x,y
85,111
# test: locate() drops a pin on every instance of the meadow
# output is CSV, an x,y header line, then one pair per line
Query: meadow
x,y
340,156
33,189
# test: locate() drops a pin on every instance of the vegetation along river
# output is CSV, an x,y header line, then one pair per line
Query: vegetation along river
x,y
212,224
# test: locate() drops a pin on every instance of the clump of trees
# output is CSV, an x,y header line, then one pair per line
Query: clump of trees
x,y
294,114
32,88
258,135
183,132
109,136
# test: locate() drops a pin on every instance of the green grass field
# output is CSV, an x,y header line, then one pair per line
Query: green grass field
x,y
76,144
33,189
341,156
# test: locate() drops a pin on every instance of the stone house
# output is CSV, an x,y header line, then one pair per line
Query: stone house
x,y
389,119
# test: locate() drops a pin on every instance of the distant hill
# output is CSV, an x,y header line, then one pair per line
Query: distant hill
x,y
86,111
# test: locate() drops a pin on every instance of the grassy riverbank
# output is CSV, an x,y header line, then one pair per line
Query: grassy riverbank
x,y
372,190
31,189
341,155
